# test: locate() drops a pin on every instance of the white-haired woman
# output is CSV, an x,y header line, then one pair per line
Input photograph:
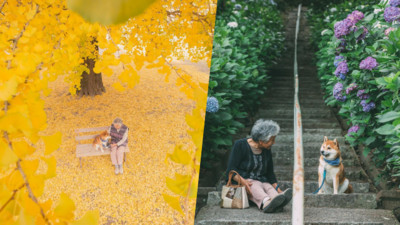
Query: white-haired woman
x,y
119,140
252,158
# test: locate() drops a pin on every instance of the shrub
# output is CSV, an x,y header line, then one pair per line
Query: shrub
x,y
248,39
367,38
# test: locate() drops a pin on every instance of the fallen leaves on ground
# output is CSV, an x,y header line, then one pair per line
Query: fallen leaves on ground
x,y
154,111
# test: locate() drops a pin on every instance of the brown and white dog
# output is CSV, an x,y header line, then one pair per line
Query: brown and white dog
x,y
331,161
101,141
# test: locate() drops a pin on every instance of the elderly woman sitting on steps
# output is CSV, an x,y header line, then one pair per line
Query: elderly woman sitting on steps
x,y
119,139
252,159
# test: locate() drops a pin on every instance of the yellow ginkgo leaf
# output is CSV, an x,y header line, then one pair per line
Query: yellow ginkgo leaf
x,y
108,12
52,142
29,167
180,156
51,167
22,149
24,218
173,202
14,180
65,208
8,88
91,217
37,184
179,185
7,156
118,86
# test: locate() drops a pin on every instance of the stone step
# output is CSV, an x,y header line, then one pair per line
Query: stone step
x,y
327,132
312,186
307,123
215,215
287,152
307,138
290,100
306,114
354,200
311,173
309,162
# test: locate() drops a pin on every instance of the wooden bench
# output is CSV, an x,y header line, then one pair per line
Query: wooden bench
x,y
85,137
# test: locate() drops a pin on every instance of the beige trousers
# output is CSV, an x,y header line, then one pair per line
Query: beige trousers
x,y
117,155
260,190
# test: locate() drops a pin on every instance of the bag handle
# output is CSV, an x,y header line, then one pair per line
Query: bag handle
x,y
229,184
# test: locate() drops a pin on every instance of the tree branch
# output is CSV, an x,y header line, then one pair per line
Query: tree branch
x,y
2,6
12,197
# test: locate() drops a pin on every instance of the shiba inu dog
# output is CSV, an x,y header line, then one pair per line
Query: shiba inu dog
x,y
331,162
101,141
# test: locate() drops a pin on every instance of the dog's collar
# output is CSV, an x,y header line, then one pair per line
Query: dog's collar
x,y
335,162
103,140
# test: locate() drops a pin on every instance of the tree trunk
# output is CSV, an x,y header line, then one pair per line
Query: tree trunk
x,y
91,83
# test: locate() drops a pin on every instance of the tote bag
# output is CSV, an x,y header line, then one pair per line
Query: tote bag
x,y
234,196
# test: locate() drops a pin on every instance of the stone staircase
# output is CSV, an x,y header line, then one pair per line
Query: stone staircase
x,y
318,121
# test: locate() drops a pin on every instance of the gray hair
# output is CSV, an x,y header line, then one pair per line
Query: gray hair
x,y
263,130
117,120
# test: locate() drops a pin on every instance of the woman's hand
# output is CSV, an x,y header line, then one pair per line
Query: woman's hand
x,y
279,190
246,184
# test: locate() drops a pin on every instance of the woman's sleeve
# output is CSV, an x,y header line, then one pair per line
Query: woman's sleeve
x,y
270,168
123,138
235,158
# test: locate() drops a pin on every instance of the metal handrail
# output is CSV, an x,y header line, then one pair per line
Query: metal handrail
x,y
298,170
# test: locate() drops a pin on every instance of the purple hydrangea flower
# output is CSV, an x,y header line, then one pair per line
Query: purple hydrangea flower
x,y
343,27
355,16
362,95
351,88
337,92
367,106
337,60
390,29
342,69
369,63
212,105
394,2
353,129
391,14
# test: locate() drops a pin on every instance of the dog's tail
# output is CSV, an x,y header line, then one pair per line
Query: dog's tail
x,y
349,189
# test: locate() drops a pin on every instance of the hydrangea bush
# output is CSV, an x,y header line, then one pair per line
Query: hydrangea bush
x,y
358,51
248,39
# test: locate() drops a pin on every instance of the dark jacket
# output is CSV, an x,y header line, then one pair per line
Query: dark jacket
x,y
240,161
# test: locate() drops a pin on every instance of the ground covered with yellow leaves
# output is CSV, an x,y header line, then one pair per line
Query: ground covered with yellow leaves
x,y
154,111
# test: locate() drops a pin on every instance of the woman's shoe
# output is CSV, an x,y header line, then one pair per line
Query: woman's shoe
x,y
116,169
271,205
121,169
288,196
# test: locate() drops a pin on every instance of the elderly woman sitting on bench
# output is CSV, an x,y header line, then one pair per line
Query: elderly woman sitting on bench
x,y
119,140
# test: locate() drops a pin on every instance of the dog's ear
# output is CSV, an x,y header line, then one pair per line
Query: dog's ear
x,y
325,138
336,142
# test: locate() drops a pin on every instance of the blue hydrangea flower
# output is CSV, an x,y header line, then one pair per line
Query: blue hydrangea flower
x,y
394,2
238,6
341,70
391,14
337,92
367,106
362,95
369,63
337,60
212,105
